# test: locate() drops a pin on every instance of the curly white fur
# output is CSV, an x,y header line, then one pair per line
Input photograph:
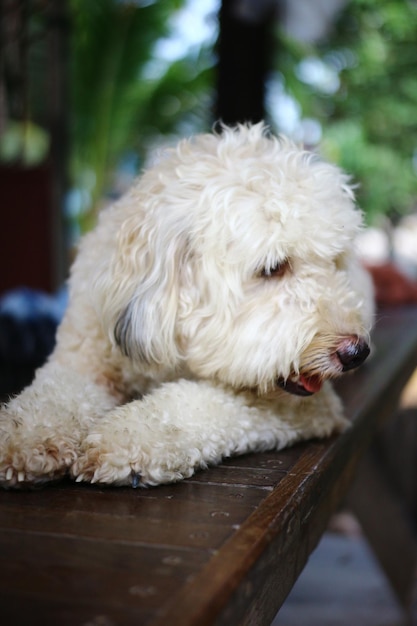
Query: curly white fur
x,y
223,280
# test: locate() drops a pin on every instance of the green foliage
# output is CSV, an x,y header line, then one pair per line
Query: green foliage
x,y
116,107
386,180
370,122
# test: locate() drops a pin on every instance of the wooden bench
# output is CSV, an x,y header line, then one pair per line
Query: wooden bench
x,y
224,547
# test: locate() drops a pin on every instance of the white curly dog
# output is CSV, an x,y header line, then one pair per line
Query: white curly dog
x,y
208,311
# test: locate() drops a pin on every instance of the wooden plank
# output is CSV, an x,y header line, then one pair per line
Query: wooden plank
x,y
188,515
121,580
181,524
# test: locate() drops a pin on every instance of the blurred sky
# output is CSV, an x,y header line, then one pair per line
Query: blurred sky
x,y
191,27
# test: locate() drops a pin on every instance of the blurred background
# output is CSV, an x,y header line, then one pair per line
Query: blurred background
x,y
89,89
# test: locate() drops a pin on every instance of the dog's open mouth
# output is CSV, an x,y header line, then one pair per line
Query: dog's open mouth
x,y
302,386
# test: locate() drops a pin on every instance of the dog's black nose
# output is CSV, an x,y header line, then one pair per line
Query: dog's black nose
x,y
352,352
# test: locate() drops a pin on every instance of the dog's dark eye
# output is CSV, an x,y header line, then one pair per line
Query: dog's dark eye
x,y
276,271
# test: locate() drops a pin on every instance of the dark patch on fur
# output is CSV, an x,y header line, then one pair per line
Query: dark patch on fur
x,y
122,332
129,346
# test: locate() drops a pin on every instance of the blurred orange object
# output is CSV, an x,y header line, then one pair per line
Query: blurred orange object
x,y
392,287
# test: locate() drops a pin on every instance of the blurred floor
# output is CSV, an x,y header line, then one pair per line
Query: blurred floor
x,y
342,585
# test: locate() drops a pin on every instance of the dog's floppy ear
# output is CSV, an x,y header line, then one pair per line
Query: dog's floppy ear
x,y
140,289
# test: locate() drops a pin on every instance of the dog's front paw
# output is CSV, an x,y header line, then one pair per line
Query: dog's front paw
x,y
31,456
126,449
26,463
100,461
104,461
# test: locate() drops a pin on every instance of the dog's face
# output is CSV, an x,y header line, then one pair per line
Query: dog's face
x,y
244,266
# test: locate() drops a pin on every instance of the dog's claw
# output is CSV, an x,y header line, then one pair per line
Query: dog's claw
x,y
135,478
9,473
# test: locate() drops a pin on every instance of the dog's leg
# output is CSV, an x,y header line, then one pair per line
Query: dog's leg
x,y
187,425
41,429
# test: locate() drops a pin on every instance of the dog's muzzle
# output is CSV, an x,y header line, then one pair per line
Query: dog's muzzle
x,y
350,353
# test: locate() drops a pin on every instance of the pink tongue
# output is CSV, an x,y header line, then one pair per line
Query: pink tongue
x,y
311,383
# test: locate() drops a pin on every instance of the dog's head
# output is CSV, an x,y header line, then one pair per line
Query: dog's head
x,y
235,260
